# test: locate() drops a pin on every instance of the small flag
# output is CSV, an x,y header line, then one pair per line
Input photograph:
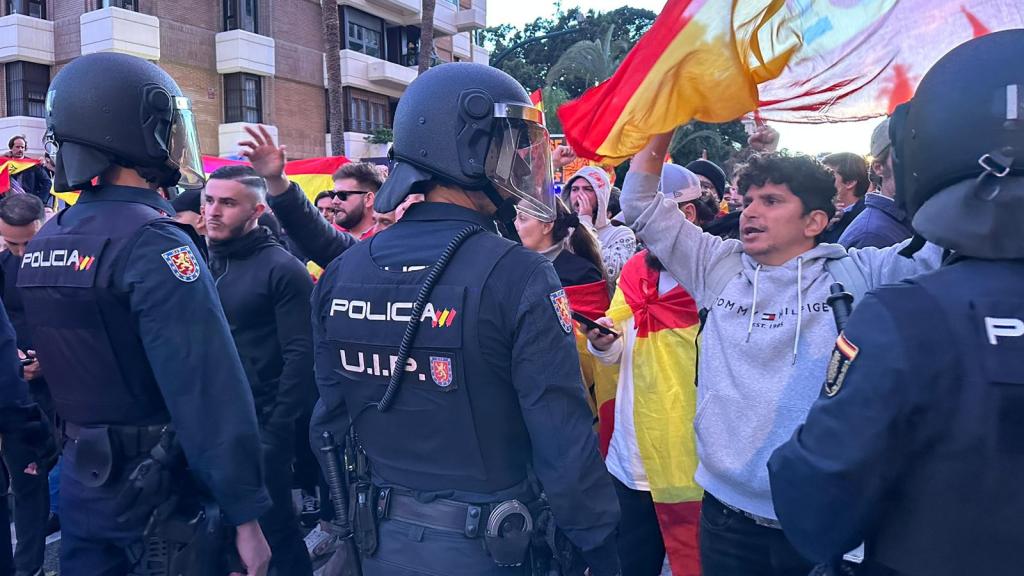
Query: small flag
x,y
537,97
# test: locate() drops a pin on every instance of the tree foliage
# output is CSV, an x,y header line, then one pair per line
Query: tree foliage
x,y
530,64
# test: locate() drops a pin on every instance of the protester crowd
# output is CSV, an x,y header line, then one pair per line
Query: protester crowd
x,y
640,375
707,324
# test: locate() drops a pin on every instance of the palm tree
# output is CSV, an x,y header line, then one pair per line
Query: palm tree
x,y
594,61
332,47
426,36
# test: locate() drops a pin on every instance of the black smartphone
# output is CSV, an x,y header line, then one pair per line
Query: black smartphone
x,y
591,325
27,361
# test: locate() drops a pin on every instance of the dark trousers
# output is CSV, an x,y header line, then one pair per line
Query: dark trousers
x,y
411,550
31,495
281,524
93,542
641,548
733,545
6,556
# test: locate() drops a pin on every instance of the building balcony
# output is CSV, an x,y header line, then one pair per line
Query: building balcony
x,y
389,74
357,148
229,135
445,14
471,19
119,30
406,7
373,74
30,127
27,39
241,51
481,55
462,46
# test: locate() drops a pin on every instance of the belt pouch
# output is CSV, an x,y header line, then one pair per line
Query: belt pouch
x,y
94,457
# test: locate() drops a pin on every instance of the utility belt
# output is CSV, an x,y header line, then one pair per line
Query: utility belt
x,y
101,452
184,533
514,533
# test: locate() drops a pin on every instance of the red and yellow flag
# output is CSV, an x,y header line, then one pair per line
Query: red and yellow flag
x,y
313,175
795,61
11,166
537,97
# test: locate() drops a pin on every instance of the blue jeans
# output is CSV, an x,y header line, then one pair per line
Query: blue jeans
x,y
733,545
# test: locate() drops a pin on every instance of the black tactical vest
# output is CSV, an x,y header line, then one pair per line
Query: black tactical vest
x,y
957,508
83,329
456,422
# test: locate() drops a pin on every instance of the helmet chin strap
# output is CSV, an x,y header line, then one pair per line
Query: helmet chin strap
x,y
505,212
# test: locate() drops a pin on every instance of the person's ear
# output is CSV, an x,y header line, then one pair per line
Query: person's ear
x,y
547,228
690,211
815,223
261,208
368,199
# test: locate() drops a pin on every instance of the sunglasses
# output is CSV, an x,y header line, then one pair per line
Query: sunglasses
x,y
342,194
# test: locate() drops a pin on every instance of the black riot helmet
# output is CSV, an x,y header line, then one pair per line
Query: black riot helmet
x,y
958,149
472,126
111,109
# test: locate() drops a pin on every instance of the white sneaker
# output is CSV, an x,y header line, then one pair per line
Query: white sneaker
x,y
320,543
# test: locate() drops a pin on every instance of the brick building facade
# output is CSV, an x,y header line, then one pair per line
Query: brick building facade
x,y
240,61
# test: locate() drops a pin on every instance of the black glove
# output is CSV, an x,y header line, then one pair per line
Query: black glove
x,y
29,425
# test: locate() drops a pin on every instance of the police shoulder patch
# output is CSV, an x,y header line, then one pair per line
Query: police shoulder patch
x,y
842,356
183,263
561,304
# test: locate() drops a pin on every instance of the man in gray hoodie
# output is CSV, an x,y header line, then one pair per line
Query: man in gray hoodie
x,y
767,338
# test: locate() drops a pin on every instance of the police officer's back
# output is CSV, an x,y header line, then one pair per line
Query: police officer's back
x,y
917,444
125,316
491,389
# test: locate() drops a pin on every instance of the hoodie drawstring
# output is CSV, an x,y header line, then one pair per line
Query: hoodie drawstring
x,y
753,305
799,304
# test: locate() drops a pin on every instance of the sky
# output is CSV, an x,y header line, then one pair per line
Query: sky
x,y
806,138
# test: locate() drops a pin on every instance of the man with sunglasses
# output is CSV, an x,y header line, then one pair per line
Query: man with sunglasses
x,y
355,187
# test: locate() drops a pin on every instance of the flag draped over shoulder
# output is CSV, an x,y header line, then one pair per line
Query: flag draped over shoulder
x,y
661,378
313,175
792,60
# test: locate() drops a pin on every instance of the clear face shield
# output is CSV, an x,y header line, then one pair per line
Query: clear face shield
x,y
183,146
519,159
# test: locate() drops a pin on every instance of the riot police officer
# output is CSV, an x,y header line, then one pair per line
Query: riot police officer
x,y
126,318
489,395
916,445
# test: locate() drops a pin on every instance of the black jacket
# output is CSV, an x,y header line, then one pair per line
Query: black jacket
x,y
265,293
36,181
575,270
833,232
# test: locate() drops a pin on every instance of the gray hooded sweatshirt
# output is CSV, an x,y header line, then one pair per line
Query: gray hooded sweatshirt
x,y
767,341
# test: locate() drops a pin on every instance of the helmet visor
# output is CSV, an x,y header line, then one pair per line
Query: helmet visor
x,y
184,146
519,159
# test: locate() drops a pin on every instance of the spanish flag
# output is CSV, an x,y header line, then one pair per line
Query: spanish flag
x,y
662,331
795,61
313,175
537,97
10,167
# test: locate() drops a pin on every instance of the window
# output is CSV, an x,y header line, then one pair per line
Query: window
x,y
240,15
403,45
362,32
243,98
132,5
33,8
26,89
363,39
367,112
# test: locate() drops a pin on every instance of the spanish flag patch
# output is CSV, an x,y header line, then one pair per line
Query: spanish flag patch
x,y
842,356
